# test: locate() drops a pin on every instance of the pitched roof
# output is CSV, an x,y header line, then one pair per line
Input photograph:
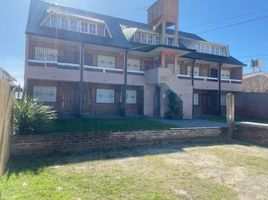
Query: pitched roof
x,y
39,10
214,58
250,75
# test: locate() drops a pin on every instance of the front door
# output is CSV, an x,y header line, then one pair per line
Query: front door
x,y
67,99
204,104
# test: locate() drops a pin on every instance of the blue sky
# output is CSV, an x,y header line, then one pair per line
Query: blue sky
x,y
246,41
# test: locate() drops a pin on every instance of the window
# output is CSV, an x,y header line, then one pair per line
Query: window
x,y
93,29
105,96
196,99
189,69
170,41
214,73
225,74
202,48
64,23
54,21
137,37
84,27
223,51
157,39
143,38
134,64
46,54
73,25
223,100
213,50
45,93
207,48
131,96
106,61
196,71
150,39
217,51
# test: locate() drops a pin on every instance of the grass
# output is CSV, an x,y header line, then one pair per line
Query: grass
x,y
170,172
101,125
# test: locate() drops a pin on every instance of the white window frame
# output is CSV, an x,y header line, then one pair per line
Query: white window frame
x,y
225,74
92,29
64,23
46,94
157,39
150,39
143,38
196,71
102,58
46,54
196,99
71,25
134,64
105,96
85,27
130,100
189,70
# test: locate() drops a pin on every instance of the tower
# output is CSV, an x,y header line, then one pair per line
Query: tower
x,y
164,14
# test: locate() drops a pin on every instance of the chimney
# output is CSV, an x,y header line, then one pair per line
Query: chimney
x,y
162,15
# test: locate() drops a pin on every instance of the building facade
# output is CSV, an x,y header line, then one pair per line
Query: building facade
x,y
255,82
91,64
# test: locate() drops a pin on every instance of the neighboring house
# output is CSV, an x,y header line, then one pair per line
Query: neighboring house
x,y
75,61
4,75
255,82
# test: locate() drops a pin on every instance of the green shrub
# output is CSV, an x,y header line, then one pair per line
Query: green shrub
x,y
30,116
174,107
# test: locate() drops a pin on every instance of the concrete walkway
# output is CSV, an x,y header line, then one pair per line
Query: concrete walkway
x,y
196,123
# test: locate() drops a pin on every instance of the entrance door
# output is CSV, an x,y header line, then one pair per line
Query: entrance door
x,y
67,97
204,103
87,100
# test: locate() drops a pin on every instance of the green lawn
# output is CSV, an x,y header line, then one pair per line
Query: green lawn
x,y
210,171
100,125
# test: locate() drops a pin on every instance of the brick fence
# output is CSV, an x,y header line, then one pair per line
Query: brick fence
x,y
46,144
252,133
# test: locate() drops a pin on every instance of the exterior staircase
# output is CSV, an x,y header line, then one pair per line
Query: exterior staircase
x,y
165,78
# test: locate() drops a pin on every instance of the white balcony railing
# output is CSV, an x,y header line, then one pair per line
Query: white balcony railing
x,y
205,78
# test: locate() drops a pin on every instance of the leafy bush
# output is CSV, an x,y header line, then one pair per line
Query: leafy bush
x,y
30,116
174,107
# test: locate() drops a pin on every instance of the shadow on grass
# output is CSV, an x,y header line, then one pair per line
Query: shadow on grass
x,y
35,164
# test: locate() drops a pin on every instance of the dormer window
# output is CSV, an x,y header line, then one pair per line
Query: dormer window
x,y
93,29
205,47
77,24
64,23
150,39
73,25
84,27
143,38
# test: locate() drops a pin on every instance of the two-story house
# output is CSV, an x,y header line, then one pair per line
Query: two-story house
x,y
86,63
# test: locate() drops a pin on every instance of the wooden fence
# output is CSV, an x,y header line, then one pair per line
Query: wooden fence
x,y
6,101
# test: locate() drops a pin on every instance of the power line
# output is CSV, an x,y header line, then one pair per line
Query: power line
x,y
135,10
232,25
226,19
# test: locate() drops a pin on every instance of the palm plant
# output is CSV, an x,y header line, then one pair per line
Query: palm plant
x,y
31,116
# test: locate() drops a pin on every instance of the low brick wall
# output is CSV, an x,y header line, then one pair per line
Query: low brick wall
x,y
252,133
61,143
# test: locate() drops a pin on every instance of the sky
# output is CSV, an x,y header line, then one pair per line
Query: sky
x,y
241,24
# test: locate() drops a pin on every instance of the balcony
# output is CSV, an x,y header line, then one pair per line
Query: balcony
x,y
211,83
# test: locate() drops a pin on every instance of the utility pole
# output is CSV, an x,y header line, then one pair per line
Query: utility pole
x,y
219,90
124,93
81,83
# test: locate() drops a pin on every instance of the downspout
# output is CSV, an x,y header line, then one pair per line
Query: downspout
x,y
81,83
192,79
124,93
219,90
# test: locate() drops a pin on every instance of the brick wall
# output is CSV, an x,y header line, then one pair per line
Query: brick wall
x,y
35,144
252,133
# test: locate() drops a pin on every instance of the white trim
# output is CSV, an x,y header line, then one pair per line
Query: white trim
x,y
54,62
232,80
183,75
104,69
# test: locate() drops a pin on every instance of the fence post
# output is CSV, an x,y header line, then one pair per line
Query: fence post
x,y
230,109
